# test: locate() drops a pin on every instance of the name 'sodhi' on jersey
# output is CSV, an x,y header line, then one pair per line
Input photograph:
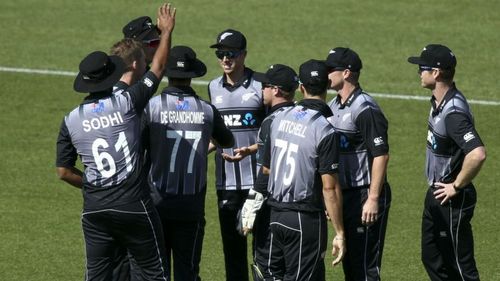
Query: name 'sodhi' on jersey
x,y
102,122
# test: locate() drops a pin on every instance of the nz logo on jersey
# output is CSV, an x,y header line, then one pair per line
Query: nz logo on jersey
x,y
344,143
240,120
249,120
432,140
98,107
182,105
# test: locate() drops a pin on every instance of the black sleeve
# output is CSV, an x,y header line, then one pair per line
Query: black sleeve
x,y
221,134
328,154
261,183
263,135
461,129
66,152
143,90
373,127
265,156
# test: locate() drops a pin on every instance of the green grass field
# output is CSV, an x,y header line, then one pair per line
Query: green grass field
x,y
40,229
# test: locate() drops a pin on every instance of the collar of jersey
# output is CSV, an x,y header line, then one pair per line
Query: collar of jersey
x,y
317,105
179,91
244,80
436,109
355,93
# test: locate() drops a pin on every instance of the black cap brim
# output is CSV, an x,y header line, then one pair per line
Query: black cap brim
x,y
261,77
199,69
151,34
417,60
85,86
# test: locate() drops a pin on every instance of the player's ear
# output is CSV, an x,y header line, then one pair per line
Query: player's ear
x,y
134,65
302,89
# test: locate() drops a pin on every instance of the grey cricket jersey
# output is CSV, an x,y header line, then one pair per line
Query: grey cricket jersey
x,y
242,109
180,126
302,146
362,129
105,131
451,135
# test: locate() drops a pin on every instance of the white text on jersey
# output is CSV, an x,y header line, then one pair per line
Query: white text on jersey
x,y
102,122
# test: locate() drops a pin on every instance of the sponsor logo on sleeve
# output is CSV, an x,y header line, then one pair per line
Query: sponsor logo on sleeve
x,y
378,141
469,136
148,82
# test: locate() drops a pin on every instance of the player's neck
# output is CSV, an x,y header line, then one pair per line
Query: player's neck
x,y
346,91
440,91
128,78
235,76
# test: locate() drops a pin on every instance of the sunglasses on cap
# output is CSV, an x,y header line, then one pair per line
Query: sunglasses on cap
x,y
266,85
228,54
153,43
422,68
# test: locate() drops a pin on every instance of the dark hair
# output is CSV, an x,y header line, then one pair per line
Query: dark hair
x,y
316,90
447,74
288,95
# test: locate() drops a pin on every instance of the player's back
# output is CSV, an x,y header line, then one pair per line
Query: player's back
x,y
295,137
105,131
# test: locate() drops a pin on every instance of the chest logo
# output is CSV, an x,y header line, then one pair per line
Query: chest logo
x,y
247,96
218,99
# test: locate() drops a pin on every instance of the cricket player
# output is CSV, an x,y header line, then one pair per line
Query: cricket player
x,y
454,156
180,126
301,157
105,132
364,154
238,97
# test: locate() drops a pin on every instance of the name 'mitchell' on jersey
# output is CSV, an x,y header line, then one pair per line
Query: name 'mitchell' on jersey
x,y
301,139
243,112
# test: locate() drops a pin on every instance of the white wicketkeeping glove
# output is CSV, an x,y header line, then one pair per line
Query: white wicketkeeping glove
x,y
249,211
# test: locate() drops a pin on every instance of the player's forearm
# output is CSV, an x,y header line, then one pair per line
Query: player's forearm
x,y
471,166
332,196
71,175
378,172
166,23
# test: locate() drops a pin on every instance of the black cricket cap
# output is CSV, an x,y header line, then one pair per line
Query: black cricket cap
x,y
435,55
98,72
232,39
182,63
142,29
313,74
341,58
279,75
